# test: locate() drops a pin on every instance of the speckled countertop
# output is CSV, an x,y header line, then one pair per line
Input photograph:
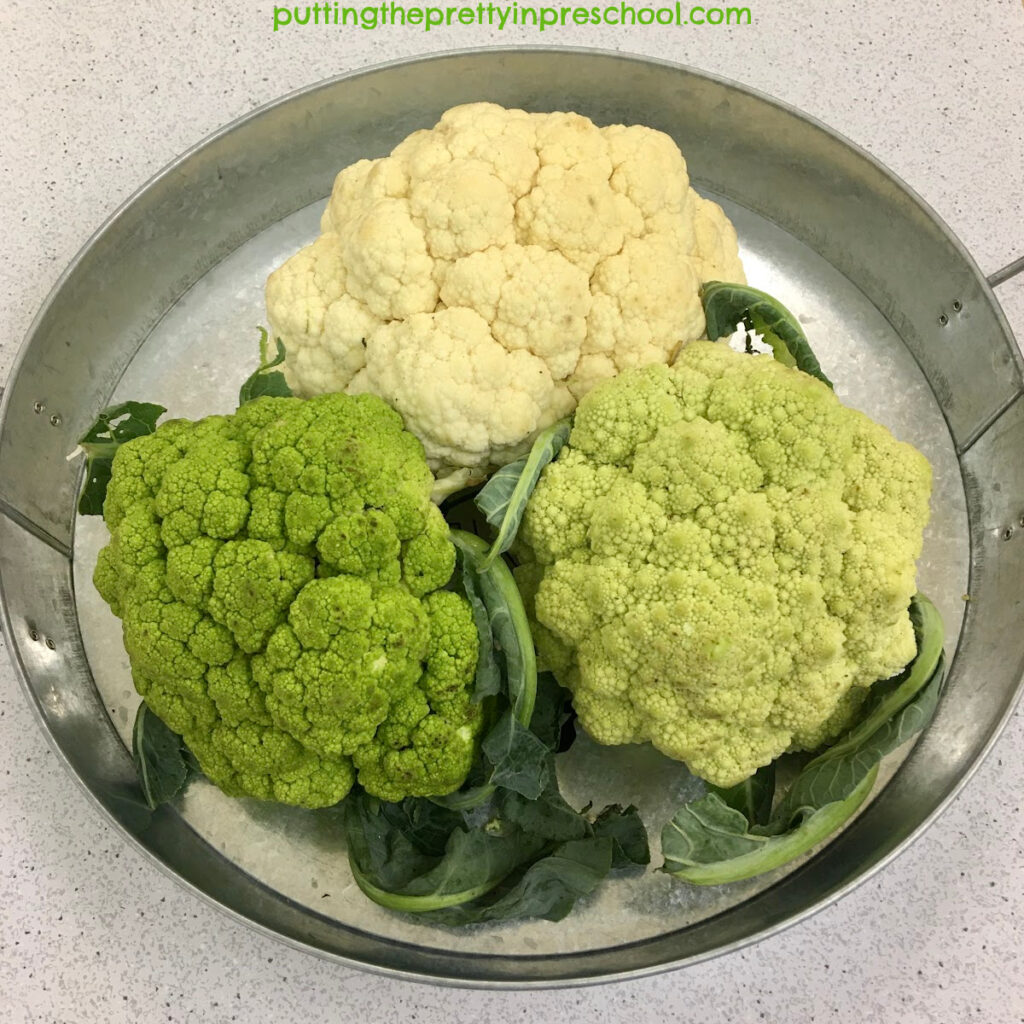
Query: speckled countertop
x,y
97,97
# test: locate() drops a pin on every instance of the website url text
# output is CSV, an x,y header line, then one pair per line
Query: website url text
x,y
373,16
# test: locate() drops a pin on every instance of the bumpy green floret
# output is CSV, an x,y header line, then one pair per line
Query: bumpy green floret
x,y
428,742
721,560
277,573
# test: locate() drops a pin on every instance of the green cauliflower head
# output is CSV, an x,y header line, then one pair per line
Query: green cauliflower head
x,y
721,560
278,574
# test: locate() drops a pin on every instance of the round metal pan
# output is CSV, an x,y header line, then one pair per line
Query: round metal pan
x,y
157,307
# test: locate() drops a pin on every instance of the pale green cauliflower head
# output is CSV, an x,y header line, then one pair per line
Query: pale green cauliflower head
x,y
493,269
722,558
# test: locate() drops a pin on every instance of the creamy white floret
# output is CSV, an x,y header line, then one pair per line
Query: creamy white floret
x,y
578,250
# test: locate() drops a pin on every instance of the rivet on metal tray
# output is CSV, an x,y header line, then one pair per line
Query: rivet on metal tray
x,y
51,644
38,407
943,319
1008,533
957,305
55,420
33,634
1021,520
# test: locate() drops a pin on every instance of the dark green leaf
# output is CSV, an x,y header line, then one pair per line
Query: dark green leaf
x,y
752,797
379,850
390,868
711,841
265,380
509,627
552,885
506,675
548,815
94,492
119,423
192,761
707,843
160,757
552,713
519,760
128,805
505,865
113,427
425,824
548,889
474,862
624,828
489,679
502,500
828,779
726,305
707,832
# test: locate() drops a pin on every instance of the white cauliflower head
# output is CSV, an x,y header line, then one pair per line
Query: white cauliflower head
x,y
491,270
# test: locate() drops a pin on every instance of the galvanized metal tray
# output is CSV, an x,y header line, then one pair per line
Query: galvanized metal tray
x,y
161,305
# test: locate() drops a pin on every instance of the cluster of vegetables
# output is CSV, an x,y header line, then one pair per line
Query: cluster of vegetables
x,y
710,553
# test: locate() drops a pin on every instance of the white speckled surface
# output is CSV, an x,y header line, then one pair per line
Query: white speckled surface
x,y
98,96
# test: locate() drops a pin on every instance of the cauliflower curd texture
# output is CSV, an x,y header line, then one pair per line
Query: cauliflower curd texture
x,y
278,576
722,558
493,269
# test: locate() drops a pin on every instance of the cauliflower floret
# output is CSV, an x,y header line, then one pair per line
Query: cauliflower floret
x,y
581,247
651,173
388,262
714,249
464,207
326,324
532,299
481,397
506,139
578,213
643,298
721,560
